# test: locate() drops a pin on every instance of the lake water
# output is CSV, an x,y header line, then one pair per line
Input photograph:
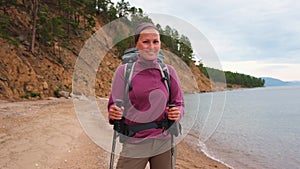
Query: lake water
x,y
248,128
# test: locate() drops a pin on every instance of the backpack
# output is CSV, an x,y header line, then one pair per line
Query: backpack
x,y
129,58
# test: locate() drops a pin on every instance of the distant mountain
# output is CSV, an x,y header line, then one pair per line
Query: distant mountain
x,y
273,82
269,81
293,83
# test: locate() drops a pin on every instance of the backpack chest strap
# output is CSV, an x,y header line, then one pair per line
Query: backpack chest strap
x,y
131,130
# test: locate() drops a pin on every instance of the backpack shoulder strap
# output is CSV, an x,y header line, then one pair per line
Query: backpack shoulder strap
x,y
165,77
128,72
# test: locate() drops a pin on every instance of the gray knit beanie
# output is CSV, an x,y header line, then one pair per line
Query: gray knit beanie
x,y
142,27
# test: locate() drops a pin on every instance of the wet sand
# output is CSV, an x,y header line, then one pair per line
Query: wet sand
x,y
46,134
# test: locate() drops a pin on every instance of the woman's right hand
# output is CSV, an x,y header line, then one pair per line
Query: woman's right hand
x,y
115,113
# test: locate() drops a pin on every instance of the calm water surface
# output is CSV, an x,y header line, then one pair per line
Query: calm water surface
x,y
249,128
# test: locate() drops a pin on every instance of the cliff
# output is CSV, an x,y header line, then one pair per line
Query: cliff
x,y
47,72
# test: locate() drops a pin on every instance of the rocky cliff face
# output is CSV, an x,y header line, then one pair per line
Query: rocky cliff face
x,y
23,75
47,72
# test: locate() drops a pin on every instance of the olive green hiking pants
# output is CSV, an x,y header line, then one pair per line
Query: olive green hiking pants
x,y
136,156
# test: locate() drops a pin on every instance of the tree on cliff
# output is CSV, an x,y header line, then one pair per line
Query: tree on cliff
x,y
34,13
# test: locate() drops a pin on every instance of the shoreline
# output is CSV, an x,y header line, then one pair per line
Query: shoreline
x,y
218,160
201,147
47,134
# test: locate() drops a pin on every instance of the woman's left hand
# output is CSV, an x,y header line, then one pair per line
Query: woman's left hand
x,y
173,113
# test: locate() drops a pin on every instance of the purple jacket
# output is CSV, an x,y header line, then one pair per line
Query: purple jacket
x,y
148,96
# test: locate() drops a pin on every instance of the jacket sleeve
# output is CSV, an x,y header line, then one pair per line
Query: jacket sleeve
x,y
117,88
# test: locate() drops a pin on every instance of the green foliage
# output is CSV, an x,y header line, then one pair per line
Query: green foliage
x,y
123,8
59,22
35,94
123,45
27,95
51,28
59,60
138,18
102,7
67,86
56,92
244,80
5,23
231,78
185,49
203,70
7,3
178,44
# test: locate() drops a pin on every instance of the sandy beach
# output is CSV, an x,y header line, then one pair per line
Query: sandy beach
x,y
46,134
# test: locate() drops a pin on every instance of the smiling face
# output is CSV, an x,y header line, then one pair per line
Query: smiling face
x,y
148,44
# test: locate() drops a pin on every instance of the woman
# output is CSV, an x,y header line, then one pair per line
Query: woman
x,y
148,102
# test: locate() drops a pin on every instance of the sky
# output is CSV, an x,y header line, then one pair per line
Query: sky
x,y
260,38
